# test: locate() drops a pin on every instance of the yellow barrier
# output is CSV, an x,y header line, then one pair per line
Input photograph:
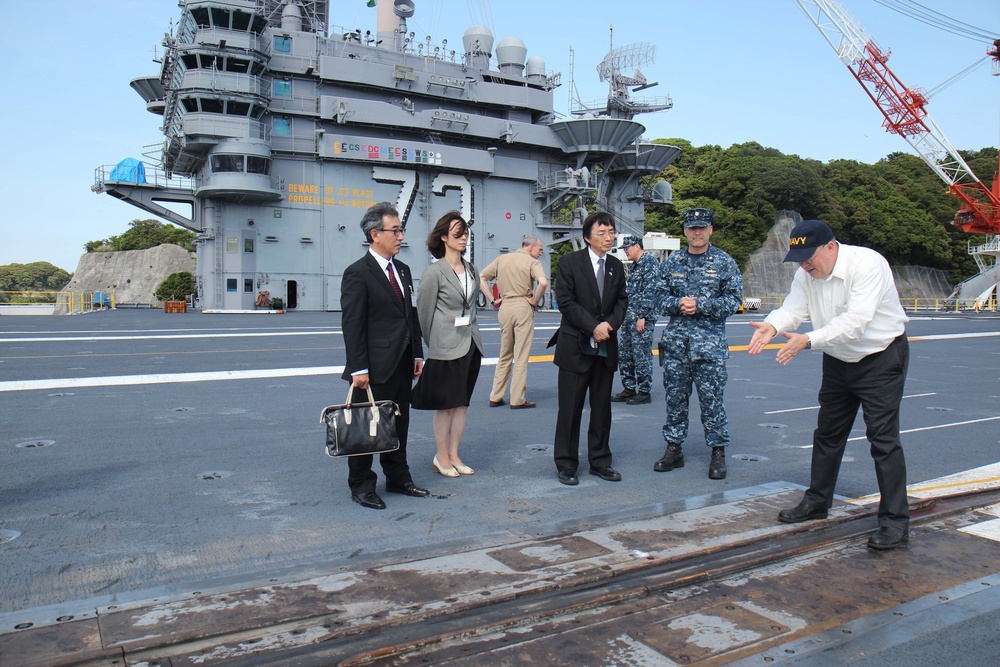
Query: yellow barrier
x,y
63,303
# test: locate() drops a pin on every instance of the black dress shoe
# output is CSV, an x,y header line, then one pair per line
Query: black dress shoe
x,y
523,406
888,537
623,396
408,489
640,399
568,478
672,458
497,404
804,511
369,499
607,473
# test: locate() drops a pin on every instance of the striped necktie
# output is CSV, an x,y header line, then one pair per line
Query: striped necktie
x,y
394,283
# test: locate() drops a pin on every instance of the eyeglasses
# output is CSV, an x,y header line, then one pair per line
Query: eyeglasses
x,y
395,231
813,257
603,234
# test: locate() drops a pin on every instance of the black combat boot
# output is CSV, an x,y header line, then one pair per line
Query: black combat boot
x,y
672,458
717,468
640,398
623,396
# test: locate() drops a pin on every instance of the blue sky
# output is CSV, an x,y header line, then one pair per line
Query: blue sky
x,y
737,70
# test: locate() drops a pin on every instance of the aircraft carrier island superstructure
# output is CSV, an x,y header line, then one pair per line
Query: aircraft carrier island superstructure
x,y
281,130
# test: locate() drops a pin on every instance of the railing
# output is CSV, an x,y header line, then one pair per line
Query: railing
x,y
152,176
225,82
55,303
938,305
234,39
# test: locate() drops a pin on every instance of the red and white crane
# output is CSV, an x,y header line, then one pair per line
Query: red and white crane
x,y
905,114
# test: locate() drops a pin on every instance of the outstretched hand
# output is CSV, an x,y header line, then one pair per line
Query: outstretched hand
x,y
761,337
796,343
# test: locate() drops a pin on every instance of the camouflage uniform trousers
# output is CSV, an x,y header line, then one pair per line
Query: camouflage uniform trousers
x,y
709,377
635,355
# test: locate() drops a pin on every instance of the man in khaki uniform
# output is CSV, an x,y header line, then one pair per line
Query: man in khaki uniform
x,y
521,283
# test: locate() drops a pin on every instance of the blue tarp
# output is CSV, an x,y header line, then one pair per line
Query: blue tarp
x,y
129,170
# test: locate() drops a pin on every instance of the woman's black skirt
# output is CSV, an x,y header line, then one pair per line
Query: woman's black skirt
x,y
444,385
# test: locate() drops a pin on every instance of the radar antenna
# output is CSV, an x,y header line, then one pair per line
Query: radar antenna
x,y
620,68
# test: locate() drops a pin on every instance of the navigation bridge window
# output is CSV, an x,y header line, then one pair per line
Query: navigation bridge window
x,y
250,164
218,17
222,63
282,44
227,107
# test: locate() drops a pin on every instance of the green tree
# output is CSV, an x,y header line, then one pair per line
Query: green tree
x,y
33,277
143,234
897,206
176,287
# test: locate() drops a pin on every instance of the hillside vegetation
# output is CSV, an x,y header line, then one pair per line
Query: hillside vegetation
x,y
144,234
897,206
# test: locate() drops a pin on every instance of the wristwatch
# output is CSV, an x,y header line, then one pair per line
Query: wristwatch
x,y
809,343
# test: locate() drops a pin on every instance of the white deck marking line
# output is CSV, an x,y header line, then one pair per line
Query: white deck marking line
x,y
816,407
922,428
932,428
231,334
169,378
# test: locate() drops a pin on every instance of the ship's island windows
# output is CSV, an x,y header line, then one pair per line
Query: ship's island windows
x,y
282,127
258,165
212,106
241,20
257,111
248,284
282,44
282,89
232,244
230,284
200,16
222,163
190,61
247,245
234,108
221,17
237,65
190,104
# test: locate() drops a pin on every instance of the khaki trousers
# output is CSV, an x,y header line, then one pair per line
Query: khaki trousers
x,y
517,328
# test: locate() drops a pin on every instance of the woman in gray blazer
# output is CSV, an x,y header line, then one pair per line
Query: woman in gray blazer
x,y
446,306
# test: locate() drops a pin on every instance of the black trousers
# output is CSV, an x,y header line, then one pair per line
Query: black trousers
x,y
399,388
876,384
573,388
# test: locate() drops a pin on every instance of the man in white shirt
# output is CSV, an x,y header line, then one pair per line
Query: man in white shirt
x,y
849,295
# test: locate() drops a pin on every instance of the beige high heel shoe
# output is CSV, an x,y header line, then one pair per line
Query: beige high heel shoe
x,y
463,469
447,472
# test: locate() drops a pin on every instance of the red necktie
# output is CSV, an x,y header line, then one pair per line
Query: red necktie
x,y
394,283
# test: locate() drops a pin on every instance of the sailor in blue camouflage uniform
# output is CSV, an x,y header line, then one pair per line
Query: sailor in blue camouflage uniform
x,y
702,287
635,338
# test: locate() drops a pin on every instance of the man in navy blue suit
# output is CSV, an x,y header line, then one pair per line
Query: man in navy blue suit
x,y
382,340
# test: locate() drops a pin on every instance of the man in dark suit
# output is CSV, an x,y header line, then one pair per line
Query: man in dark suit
x,y
382,339
590,292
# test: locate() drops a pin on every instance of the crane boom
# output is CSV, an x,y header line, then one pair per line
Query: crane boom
x,y
905,113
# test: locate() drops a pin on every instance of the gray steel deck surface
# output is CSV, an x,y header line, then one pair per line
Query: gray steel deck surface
x,y
126,492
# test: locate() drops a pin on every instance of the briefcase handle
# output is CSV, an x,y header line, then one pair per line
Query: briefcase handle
x,y
371,401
